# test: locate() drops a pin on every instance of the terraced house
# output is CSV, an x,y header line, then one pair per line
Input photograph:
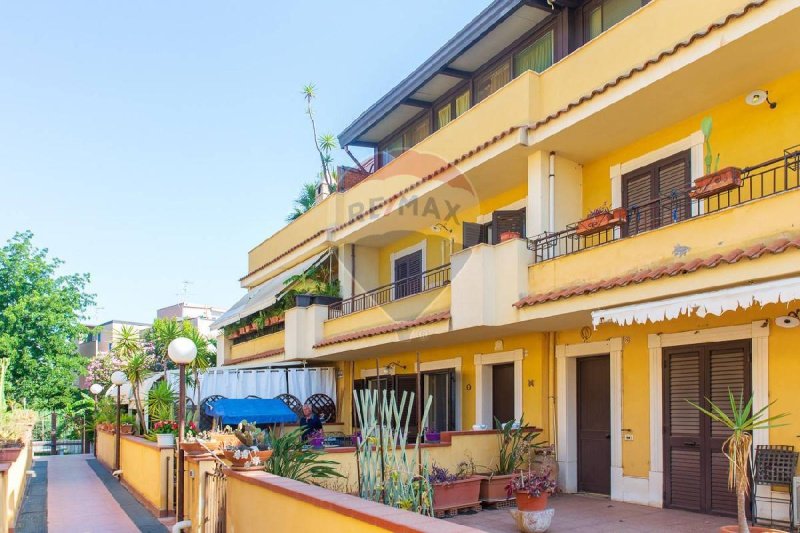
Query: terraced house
x,y
467,241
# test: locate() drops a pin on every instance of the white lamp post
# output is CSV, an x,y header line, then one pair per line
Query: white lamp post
x,y
95,389
182,351
118,378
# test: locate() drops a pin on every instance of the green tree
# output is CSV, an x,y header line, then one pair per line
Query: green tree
x,y
304,201
40,319
135,363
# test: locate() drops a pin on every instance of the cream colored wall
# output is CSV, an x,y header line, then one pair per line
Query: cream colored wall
x,y
257,345
12,484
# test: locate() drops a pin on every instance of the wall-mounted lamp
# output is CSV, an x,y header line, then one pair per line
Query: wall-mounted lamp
x,y
388,369
441,227
791,320
759,97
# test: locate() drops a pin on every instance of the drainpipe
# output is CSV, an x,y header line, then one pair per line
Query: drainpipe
x,y
352,270
551,225
551,390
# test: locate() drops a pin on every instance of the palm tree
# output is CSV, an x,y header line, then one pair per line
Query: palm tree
x,y
163,331
324,143
304,201
201,363
135,364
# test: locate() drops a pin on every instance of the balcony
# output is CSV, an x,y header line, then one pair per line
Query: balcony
x,y
262,344
403,288
763,180
675,229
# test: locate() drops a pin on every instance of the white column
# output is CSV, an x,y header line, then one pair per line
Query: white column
x,y
538,210
656,474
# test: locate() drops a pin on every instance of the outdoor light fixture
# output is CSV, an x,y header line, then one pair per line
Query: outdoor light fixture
x,y
759,97
182,351
118,378
792,320
95,389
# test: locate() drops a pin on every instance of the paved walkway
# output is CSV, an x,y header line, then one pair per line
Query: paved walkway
x,y
82,497
582,514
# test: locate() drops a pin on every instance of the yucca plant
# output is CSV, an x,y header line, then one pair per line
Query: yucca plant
x,y
161,401
292,459
741,422
514,443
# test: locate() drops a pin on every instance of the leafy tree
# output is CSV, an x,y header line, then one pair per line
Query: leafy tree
x,y
40,319
304,201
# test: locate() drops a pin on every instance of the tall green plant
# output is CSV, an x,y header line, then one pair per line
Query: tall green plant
x,y
161,401
514,444
705,127
134,363
292,459
741,422
4,362
389,472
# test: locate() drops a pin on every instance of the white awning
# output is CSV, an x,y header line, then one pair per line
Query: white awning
x,y
265,294
702,303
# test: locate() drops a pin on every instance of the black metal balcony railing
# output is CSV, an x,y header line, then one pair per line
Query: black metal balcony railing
x,y
428,280
759,181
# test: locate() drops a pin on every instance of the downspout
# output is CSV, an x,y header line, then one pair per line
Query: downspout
x,y
352,270
551,189
551,390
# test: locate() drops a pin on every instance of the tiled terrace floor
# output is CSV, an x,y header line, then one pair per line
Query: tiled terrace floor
x,y
578,514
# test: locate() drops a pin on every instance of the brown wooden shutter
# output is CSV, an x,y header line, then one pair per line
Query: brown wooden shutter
x,y
503,221
683,426
673,182
637,194
471,234
408,383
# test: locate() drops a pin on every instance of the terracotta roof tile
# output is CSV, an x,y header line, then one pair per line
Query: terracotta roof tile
x,y
569,107
382,330
734,256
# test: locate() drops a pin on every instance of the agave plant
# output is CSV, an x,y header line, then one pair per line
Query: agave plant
x,y
741,422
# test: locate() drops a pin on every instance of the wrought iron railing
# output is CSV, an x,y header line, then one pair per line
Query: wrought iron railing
x,y
428,280
759,181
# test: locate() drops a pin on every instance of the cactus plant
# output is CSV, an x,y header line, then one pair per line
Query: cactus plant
x,y
705,127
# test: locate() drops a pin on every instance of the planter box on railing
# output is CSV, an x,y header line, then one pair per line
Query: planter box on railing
x,y
602,221
717,182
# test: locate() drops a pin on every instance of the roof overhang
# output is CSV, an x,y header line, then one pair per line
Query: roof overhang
x,y
493,30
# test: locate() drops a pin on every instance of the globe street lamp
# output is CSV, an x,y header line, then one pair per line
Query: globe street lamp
x,y
95,389
182,351
117,378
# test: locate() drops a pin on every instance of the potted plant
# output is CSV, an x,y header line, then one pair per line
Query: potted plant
x,y
601,219
317,439
432,436
253,450
454,491
736,448
509,235
302,300
531,490
10,444
259,321
514,441
126,424
165,431
718,181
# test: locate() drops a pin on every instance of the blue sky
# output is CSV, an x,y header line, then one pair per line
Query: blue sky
x,y
152,142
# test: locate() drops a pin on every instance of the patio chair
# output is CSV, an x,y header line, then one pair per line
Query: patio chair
x,y
774,465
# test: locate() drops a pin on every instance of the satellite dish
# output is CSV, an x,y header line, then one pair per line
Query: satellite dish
x,y
787,321
759,97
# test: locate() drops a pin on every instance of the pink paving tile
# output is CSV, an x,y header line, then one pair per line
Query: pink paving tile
x,y
78,502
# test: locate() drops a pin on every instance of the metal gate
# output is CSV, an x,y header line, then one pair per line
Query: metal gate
x,y
214,514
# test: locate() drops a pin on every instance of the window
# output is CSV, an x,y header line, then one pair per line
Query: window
x,y
406,140
492,81
408,274
490,232
453,109
440,386
655,195
602,14
536,57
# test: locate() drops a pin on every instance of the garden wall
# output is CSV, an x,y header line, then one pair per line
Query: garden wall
x,y
13,480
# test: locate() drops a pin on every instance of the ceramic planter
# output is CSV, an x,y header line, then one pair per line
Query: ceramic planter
x,y
326,300
533,521
302,300
602,221
126,429
493,488
165,440
245,460
10,454
526,502
197,449
461,493
720,181
509,235
433,436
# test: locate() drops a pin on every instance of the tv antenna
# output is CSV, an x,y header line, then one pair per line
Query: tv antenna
x,y
185,292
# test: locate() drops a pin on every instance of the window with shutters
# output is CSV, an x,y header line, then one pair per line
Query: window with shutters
x,y
408,274
656,195
507,221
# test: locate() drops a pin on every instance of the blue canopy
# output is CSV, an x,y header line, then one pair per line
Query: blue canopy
x,y
257,411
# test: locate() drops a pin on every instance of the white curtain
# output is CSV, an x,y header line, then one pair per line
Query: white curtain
x,y
299,383
303,382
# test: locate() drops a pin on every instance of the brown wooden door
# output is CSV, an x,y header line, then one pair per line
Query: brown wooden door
x,y
503,392
695,470
594,424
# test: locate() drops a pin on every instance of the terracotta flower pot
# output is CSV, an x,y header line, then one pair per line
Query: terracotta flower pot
x,y
526,502
717,182
461,493
9,455
196,449
509,235
245,460
602,221
493,488
126,429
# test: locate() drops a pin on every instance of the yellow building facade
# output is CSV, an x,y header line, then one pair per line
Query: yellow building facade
x,y
465,256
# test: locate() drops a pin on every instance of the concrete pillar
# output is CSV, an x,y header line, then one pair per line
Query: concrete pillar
x,y
538,210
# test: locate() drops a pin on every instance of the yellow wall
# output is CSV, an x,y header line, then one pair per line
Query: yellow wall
x,y
12,487
743,135
261,344
248,505
784,366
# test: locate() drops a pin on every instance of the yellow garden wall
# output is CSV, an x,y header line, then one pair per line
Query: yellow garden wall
x,y
261,344
13,480
784,366
104,448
